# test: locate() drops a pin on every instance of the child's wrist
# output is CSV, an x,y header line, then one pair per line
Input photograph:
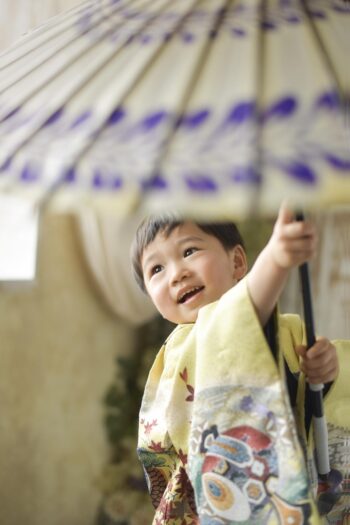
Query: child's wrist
x,y
274,260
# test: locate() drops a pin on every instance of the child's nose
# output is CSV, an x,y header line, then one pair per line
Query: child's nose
x,y
179,273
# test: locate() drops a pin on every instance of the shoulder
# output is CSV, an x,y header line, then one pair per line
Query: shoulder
x,y
178,339
237,296
179,334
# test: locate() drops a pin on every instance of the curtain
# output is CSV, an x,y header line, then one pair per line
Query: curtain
x,y
106,243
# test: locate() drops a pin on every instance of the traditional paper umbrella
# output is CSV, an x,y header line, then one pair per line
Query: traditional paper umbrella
x,y
215,107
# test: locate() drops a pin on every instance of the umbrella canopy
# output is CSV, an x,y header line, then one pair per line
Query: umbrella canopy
x,y
214,107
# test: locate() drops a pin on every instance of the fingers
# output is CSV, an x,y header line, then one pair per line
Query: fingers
x,y
304,247
285,215
290,228
320,362
293,242
301,351
299,230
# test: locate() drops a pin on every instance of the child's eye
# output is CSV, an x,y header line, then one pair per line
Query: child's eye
x,y
156,269
190,251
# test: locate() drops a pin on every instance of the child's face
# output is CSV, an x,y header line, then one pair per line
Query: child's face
x,y
189,269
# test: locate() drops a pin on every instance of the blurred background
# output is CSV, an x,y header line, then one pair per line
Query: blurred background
x,y
77,342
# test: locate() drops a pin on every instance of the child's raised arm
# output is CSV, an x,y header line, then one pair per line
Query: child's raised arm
x,y
291,244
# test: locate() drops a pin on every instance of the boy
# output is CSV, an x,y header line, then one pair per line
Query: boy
x,y
217,437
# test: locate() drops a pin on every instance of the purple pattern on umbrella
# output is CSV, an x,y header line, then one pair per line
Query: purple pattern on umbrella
x,y
153,120
146,26
201,183
103,181
157,182
117,115
301,172
30,174
336,162
208,141
6,165
54,117
342,8
242,112
81,119
329,100
238,32
10,114
283,108
193,120
69,176
98,180
246,174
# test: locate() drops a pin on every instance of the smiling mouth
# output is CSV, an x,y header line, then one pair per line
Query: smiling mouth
x,y
191,293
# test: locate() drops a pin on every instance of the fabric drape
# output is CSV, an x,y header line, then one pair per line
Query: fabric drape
x,y
106,243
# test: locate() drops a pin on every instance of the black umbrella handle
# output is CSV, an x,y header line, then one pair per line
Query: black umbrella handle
x,y
306,295
320,427
307,304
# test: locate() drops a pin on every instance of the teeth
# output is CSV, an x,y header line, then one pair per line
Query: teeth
x,y
194,289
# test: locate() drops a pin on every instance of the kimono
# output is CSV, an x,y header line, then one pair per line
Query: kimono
x,y
217,435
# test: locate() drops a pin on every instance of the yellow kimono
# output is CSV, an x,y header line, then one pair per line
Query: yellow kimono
x,y
217,437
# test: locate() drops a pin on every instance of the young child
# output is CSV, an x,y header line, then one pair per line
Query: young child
x,y
217,436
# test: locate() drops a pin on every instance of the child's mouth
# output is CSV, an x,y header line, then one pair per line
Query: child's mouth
x,y
187,296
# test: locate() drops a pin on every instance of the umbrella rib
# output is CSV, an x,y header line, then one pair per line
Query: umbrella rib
x,y
260,83
76,87
194,81
325,54
63,67
56,50
87,146
40,31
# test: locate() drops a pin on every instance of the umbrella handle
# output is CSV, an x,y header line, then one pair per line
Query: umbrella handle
x,y
316,395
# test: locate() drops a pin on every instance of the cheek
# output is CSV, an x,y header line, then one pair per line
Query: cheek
x,y
157,292
217,269
221,273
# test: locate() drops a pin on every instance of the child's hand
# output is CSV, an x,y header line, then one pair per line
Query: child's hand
x,y
292,242
320,362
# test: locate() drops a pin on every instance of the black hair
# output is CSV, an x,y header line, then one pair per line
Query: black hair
x,y
226,232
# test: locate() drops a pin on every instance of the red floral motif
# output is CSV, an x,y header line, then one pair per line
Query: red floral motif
x,y
165,507
177,501
184,483
184,377
183,457
148,426
157,447
191,391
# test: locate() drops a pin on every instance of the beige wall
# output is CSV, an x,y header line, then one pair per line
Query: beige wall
x,y
57,358
58,348
57,355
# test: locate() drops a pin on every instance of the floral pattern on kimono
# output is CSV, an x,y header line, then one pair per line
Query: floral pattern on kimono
x,y
216,424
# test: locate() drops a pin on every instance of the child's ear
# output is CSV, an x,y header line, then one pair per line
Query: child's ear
x,y
240,265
